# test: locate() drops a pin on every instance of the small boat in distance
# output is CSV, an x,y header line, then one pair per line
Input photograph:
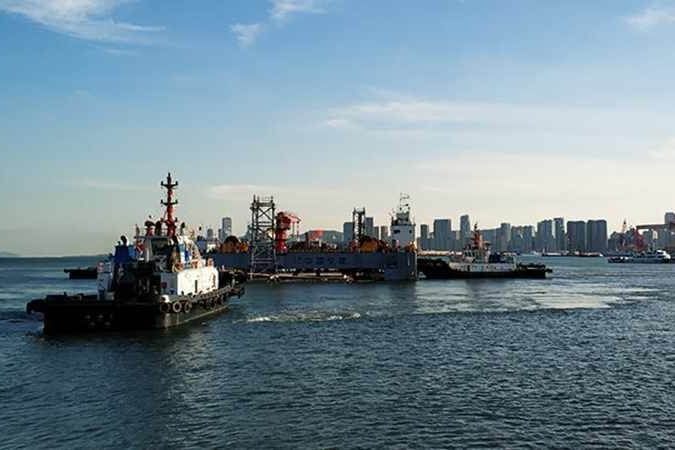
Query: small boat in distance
x,y
476,261
651,257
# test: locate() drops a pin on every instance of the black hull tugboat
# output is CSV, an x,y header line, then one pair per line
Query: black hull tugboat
x,y
476,262
438,269
160,281
82,273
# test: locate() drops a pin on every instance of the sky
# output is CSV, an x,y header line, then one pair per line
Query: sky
x,y
510,111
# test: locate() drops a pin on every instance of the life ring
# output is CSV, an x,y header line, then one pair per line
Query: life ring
x,y
176,307
165,307
187,307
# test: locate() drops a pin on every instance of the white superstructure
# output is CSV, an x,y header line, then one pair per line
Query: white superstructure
x,y
402,226
655,257
161,264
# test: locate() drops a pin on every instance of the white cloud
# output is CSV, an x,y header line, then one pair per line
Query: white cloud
x,y
440,115
246,33
340,124
120,51
83,19
652,17
664,151
282,9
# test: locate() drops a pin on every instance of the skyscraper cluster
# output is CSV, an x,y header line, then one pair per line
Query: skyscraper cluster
x,y
550,235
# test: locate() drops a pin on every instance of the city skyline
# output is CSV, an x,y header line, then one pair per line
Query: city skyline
x,y
508,112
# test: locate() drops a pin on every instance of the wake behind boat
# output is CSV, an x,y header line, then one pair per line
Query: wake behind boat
x,y
476,261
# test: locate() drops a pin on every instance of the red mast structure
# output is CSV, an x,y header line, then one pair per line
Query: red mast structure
x,y
169,219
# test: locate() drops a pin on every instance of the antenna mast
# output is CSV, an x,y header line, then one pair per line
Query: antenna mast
x,y
169,219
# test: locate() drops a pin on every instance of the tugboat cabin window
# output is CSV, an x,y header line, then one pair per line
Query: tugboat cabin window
x,y
159,246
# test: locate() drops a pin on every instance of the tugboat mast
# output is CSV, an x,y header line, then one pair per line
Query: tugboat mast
x,y
169,219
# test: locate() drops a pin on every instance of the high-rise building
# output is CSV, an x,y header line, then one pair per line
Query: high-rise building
x,y
616,241
503,237
442,234
528,239
669,217
544,241
369,227
384,233
464,229
516,240
225,228
423,241
560,236
649,237
521,239
576,236
489,236
455,241
596,235
666,236
347,232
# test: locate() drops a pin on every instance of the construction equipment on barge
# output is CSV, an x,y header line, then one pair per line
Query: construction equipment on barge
x,y
364,258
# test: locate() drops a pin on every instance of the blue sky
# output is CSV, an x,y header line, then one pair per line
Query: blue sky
x,y
506,110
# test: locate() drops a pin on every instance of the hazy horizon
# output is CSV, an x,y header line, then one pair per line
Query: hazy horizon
x,y
511,112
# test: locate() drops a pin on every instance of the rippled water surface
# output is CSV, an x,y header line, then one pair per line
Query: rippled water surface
x,y
584,359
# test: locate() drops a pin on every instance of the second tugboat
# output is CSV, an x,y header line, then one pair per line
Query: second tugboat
x,y
476,261
160,281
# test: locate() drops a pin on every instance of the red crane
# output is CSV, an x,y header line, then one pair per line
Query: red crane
x,y
285,222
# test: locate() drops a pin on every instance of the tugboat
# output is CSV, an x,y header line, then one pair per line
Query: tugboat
x,y
476,261
160,281
82,273
652,257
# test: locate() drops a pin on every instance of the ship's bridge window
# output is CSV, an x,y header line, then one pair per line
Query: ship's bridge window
x,y
397,231
159,245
